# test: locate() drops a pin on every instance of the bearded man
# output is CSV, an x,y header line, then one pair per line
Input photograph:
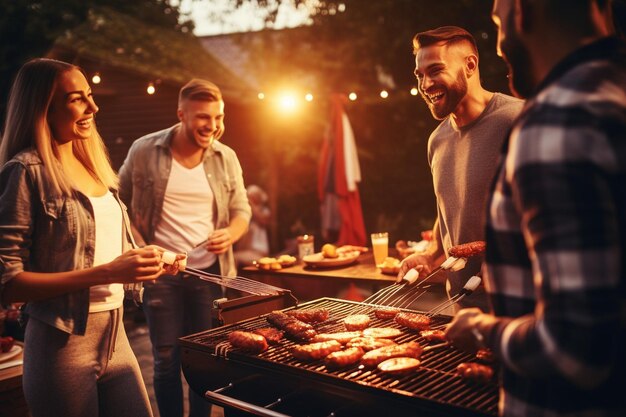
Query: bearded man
x,y
556,255
462,151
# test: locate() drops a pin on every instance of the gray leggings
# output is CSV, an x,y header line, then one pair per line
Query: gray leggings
x,y
95,375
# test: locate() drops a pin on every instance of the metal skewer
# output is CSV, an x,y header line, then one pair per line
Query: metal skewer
x,y
469,287
451,263
236,282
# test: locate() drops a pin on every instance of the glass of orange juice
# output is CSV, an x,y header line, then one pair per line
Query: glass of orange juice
x,y
380,246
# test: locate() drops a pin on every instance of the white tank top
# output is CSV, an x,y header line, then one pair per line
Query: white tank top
x,y
187,215
109,230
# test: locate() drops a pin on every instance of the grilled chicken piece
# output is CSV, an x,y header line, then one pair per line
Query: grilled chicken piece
x,y
376,356
413,321
433,335
341,337
315,351
272,335
370,343
386,313
400,365
343,358
382,332
315,315
292,326
248,341
356,322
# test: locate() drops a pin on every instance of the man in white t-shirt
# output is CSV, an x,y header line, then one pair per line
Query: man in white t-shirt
x,y
185,191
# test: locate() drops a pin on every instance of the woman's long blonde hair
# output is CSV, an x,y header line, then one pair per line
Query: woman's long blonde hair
x,y
27,126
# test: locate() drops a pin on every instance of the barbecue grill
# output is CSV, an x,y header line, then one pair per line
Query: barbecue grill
x,y
274,384
239,306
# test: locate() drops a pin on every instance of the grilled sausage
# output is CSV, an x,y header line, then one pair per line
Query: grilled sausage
x,y
382,332
341,337
376,356
386,313
475,372
433,335
413,321
248,341
315,351
467,249
369,343
343,358
356,322
270,334
315,315
292,326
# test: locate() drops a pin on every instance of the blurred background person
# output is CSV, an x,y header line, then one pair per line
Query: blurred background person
x,y
255,243
66,249
185,191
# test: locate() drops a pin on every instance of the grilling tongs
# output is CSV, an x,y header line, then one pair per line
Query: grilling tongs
x,y
237,282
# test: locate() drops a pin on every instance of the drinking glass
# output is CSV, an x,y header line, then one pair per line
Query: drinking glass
x,y
380,246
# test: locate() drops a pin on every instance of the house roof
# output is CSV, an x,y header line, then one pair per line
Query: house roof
x,y
240,53
159,53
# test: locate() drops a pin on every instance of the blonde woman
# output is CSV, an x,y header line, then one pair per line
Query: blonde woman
x,y
66,249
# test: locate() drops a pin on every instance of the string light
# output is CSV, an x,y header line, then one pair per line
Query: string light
x,y
288,103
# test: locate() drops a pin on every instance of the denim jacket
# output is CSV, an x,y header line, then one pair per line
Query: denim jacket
x,y
42,231
144,176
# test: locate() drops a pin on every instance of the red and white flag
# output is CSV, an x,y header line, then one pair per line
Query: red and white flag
x,y
338,177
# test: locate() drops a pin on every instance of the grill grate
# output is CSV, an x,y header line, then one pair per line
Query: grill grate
x,y
435,381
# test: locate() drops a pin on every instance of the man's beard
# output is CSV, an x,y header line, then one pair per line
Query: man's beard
x,y
453,96
518,60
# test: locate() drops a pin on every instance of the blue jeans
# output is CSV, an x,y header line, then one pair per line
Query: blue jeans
x,y
177,306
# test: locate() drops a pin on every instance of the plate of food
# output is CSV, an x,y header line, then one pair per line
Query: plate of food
x,y
9,352
271,263
390,266
331,256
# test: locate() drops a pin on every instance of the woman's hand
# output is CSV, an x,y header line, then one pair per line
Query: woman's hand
x,y
143,264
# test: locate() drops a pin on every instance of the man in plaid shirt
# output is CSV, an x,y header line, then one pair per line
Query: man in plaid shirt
x,y
556,228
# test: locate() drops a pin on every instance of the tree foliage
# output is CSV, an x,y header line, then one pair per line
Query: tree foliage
x,y
29,27
364,46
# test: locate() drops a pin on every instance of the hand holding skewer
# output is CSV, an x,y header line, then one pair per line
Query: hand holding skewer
x,y
413,266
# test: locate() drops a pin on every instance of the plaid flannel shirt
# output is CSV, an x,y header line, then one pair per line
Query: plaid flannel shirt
x,y
556,243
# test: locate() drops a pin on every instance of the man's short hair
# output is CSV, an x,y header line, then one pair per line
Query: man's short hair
x,y
200,90
447,35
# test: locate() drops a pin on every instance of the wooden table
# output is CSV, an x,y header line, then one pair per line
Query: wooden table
x,y
354,282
